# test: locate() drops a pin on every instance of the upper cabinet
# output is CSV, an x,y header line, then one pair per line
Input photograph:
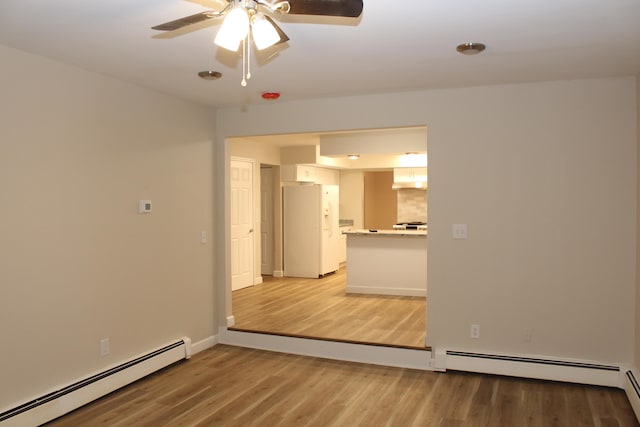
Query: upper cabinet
x,y
409,174
410,178
306,173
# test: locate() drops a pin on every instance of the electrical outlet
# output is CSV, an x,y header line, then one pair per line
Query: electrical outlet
x,y
475,331
144,206
104,347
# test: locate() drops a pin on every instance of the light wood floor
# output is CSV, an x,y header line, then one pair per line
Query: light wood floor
x,y
320,308
231,386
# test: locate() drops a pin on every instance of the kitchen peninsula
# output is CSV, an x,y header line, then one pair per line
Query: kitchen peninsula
x,y
387,262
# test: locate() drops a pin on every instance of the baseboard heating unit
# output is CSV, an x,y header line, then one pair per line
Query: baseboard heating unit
x,y
72,396
536,367
632,390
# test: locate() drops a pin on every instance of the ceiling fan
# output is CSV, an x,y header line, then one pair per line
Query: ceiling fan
x,y
246,19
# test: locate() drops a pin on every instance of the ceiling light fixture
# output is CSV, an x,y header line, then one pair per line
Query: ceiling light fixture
x,y
470,48
353,156
209,75
234,29
263,32
244,22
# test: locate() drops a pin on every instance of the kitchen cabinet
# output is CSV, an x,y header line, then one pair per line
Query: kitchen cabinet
x,y
307,173
387,262
409,174
297,173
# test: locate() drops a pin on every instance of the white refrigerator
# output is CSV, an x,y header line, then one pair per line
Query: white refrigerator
x,y
311,230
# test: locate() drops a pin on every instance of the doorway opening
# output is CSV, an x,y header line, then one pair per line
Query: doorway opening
x,y
321,307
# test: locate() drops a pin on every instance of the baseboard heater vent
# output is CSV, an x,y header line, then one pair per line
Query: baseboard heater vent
x,y
64,400
632,390
535,360
533,367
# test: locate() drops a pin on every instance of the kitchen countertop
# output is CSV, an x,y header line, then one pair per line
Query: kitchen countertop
x,y
364,232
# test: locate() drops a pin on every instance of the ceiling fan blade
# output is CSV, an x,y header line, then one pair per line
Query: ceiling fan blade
x,y
187,20
346,8
283,36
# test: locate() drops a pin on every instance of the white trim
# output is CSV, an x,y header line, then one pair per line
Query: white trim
x,y
278,273
204,344
408,292
539,367
439,359
231,320
353,352
257,280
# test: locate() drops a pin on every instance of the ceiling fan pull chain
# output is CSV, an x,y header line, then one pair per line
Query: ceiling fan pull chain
x,y
246,40
244,63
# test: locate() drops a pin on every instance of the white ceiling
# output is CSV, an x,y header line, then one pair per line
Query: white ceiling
x,y
394,46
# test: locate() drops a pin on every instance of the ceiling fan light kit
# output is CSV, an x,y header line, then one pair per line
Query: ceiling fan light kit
x,y
234,29
244,21
263,33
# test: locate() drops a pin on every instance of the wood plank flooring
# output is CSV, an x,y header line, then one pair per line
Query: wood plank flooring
x,y
232,386
320,308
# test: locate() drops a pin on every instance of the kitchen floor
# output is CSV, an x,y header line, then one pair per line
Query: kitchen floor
x,y
320,308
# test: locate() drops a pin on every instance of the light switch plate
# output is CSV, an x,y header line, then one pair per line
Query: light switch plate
x,y
460,231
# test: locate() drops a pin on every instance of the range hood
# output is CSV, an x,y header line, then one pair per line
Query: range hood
x,y
413,178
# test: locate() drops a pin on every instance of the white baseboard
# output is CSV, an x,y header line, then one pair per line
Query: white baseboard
x,y
257,280
575,371
352,352
632,390
65,398
278,273
204,344
407,292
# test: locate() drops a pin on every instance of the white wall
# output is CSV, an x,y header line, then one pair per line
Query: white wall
x,y
637,299
544,175
77,262
352,197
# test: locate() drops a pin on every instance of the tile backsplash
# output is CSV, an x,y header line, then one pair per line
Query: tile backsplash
x,y
412,205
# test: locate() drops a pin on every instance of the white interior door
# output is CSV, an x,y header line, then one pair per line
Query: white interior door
x,y
266,220
242,240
